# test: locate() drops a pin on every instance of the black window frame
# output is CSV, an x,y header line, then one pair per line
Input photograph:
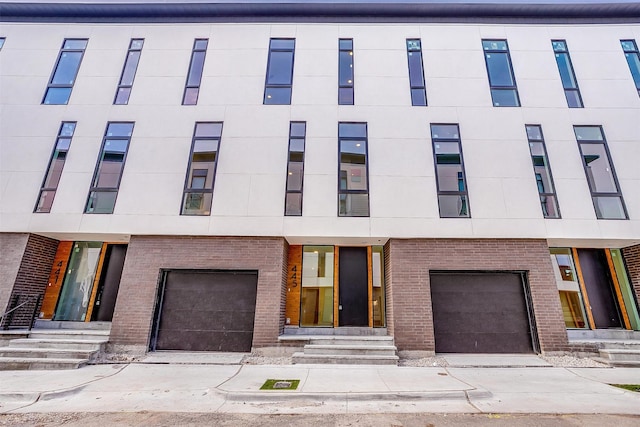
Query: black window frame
x,y
267,85
544,195
121,85
55,150
288,191
565,52
348,87
464,195
95,189
412,50
188,87
62,51
492,87
188,188
627,53
346,192
585,165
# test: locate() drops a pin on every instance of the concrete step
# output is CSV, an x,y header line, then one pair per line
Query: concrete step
x,y
340,331
91,345
22,363
602,334
45,353
70,334
302,358
618,363
53,324
351,340
371,350
628,355
610,343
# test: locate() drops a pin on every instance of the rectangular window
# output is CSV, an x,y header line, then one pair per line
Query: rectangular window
x,y
567,75
106,179
129,72
453,200
54,170
64,73
502,82
416,72
601,176
316,299
295,169
1,42
542,171
196,66
198,186
630,49
279,78
345,72
353,188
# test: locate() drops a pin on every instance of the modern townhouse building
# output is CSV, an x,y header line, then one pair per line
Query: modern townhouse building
x,y
224,175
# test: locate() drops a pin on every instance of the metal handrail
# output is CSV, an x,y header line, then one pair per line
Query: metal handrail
x,y
16,307
29,297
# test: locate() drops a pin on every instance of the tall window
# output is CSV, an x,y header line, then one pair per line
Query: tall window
x,y
295,169
542,171
198,186
192,88
603,183
279,78
630,49
353,188
106,179
453,200
567,75
64,73
1,42
345,72
129,72
502,82
54,170
416,72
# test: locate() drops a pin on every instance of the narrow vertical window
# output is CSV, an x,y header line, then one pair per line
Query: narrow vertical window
x,y
601,176
567,75
1,42
279,78
54,170
295,169
453,200
416,72
106,178
198,186
345,72
542,171
64,73
353,187
192,87
129,72
504,92
630,49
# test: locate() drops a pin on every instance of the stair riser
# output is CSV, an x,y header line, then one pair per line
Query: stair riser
x,y
354,342
350,352
41,354
46,336
332,361
621,346
629,357
575,335
24,366
53,344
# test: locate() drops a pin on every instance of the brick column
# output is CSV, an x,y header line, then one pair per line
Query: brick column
x,y
631,257
12,246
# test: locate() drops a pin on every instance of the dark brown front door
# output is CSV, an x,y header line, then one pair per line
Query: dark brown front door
x,y
480,313
109,283
353,287
597,281
206,311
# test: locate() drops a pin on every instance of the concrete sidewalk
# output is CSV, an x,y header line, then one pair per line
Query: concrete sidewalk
x,y
233,388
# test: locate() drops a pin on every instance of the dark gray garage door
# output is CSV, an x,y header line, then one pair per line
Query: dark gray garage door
x,y
480,313
206,311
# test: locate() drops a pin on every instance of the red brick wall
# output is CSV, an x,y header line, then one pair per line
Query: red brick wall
x,y
33,274
631,257
12,247
146,255
388,297
409,295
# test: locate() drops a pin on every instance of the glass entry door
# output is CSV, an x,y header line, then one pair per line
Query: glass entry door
x,y
78,282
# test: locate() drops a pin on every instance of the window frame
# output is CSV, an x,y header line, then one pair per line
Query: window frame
x,y
464,193
95,189
635,52
570,69
50,84
287,190
585,166
187,86
121,85
188,188
553,194
348,87
423,87
268,85
514,88
365,140
48,170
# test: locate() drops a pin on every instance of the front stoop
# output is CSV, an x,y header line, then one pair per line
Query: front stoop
x,y
54,348
615,347
351,350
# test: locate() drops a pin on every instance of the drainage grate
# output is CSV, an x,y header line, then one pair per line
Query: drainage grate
x,y
272,384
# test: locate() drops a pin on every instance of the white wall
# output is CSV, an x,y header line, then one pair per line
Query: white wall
x,y
250,182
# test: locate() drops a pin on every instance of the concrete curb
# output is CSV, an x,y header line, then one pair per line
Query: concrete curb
x,y
19,397
235,396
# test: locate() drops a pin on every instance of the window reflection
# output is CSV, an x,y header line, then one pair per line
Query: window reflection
x,y
317,286
568,288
